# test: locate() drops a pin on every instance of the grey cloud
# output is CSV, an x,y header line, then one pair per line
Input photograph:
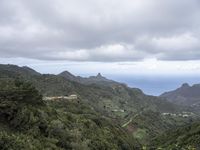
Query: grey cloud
x,y
91,30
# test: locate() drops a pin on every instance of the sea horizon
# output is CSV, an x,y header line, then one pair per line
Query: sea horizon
x,y
157,84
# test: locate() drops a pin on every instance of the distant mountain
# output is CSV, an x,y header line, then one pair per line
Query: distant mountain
x,y
14,70
98,79
186,95
69,76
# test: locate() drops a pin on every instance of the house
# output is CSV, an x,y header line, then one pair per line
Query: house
x,y
73,96
57,98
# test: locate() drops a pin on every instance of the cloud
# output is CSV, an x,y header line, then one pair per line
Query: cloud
x,y
183,46
100,30
177,43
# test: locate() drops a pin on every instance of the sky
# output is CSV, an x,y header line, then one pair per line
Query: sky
x,y
115,37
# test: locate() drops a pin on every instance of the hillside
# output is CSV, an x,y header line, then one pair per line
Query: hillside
x,y
55,85
186,95
187,137
130,108
108,97
29,123
98,79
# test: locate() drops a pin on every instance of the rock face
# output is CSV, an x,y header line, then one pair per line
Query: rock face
x,y
185,95
99,75
185,85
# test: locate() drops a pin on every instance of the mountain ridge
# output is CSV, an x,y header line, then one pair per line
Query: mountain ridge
x,y
185,95
99,79
109,98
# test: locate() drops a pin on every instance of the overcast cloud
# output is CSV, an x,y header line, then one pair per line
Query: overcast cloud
x,y
100,30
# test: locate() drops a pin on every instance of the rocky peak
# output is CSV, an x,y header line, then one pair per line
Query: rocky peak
x,y
68,75
99,75
185,85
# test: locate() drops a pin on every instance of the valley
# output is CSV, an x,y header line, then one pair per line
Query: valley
x,y
84,111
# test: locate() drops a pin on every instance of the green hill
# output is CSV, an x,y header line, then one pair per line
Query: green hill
x,y
187,137
185,95
29,123
138,114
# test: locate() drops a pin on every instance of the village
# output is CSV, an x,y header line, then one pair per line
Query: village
x,y
183,114
58,98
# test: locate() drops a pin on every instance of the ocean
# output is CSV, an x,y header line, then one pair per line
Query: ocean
x,y
155,85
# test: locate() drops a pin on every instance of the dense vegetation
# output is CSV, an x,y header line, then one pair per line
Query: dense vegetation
x,y
27,122
108,98
187,137
186,95
109,115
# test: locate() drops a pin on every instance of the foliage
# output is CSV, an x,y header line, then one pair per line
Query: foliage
x,y
187,137
27,122
95,123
